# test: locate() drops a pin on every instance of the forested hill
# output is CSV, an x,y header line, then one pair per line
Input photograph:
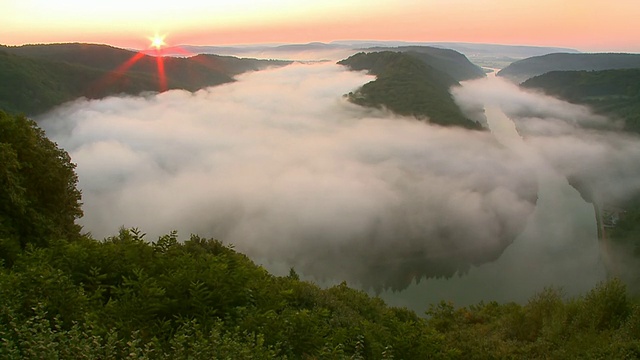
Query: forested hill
x,y
33,86
614,93
407,86
522,70
448,61
34,78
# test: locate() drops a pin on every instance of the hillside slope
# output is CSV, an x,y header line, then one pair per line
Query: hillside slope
x,y
614,93
522,70
33,86
407,86
451,62
48,75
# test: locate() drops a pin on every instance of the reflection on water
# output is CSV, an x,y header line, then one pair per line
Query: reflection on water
x,y
559,246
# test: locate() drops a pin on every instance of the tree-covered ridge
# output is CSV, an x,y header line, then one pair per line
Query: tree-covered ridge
x,y
522,70
614,93
407,86
188,69
448,61
35,78
33,86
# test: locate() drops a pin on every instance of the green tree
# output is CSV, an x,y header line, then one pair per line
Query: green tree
x,y
38,193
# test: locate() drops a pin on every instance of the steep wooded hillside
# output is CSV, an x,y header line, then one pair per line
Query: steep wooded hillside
x,y
38,77
407,86
522,70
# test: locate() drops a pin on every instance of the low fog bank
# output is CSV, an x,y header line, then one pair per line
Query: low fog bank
x,y
588,149
282,166
559,246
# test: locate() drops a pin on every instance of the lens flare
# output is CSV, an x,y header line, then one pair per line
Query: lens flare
x,y
157,41
156,52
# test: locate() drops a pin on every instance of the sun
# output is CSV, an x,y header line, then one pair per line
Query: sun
x,y
157,41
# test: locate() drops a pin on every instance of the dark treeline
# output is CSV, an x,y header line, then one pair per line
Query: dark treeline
x,y
524,69
614,93
35,78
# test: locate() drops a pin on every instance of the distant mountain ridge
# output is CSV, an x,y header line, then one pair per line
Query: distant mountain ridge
x,y
34,78
522,70
516,51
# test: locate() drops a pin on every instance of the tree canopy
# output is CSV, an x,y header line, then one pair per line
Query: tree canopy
x,y
39,199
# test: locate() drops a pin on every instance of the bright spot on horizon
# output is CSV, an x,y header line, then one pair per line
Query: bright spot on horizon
x,y
157,41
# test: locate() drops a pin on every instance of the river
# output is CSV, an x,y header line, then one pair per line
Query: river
x,y
558,247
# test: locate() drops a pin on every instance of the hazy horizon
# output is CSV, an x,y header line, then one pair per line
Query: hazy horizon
x,y
591,25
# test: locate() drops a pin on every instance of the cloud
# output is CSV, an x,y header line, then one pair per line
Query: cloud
x,y
282,166
559,246
586,148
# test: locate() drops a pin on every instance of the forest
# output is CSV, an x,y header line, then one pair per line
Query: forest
x,y
614,93
36,78
66,295
407,85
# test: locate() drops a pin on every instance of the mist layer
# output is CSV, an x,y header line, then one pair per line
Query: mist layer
x,y
283,167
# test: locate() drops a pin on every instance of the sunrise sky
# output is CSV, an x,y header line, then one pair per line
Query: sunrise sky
x,y
588,25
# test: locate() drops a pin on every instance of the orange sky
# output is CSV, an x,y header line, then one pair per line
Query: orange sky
x,y
588,25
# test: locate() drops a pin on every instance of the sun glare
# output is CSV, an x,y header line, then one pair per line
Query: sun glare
x,y
157,41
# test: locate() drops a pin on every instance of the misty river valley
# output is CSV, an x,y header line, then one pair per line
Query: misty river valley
x,y
331,189
403,203
558,248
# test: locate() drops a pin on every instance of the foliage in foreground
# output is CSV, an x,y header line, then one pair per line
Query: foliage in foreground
x,y
38,194
126,298
199,298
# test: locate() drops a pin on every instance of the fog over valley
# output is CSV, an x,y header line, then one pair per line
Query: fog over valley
x,y
577,143
319,180
283,167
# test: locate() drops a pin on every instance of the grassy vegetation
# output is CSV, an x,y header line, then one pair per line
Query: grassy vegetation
x,y
407,86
